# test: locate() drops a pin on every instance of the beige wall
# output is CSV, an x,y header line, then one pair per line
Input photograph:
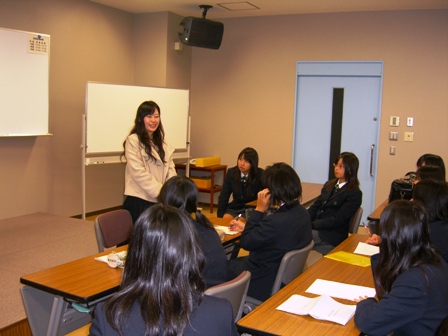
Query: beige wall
x,y
241,95
89,42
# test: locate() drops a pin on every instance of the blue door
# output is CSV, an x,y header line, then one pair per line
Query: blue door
x,y
319,131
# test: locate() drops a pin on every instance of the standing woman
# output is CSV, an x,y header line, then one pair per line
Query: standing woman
x,y
340,198
149,160
162,290
410,277
243,182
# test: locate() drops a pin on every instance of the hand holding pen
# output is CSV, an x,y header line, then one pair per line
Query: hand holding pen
x,y
367,229
236,224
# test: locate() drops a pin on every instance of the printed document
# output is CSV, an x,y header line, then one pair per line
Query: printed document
x,y
340,290
367,249
321,308
226,230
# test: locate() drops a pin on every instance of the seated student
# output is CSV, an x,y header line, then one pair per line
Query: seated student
x,y
182,193
340,198
431,160
242,182
427,172
268,238
162,290
410,277
434,196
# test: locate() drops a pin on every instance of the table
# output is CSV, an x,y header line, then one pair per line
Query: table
x,y
266,320
49,294
211,170
374,217
310,191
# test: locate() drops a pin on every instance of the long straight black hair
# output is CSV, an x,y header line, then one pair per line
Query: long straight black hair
x,y
404,243
163,273
182,193
158,137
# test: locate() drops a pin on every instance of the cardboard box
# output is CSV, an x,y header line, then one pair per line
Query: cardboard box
x,y
208,161
202,182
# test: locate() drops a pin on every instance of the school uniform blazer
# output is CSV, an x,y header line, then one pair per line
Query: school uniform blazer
x,y
416,304
214,316
268,239
438,233
144,177
331,213
241,194
215,268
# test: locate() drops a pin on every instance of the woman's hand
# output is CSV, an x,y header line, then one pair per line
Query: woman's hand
x,y
374,240
263,200
237,225
361,298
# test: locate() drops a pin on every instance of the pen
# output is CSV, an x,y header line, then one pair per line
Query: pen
x,y
235,219
367,229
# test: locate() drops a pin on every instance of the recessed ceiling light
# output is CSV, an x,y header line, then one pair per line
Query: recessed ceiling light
x,y
238,6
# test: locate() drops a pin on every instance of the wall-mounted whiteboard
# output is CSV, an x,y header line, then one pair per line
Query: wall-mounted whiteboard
x,y
24,75
111,110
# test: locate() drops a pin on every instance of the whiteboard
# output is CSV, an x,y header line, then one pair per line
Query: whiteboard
x,y
24,75
111,111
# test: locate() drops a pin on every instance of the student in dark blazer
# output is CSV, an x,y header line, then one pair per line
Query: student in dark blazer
x,y
242,182
182,193
162,290
410,277
268,238
340,198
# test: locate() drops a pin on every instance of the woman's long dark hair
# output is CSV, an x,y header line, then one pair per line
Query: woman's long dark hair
x,y
404,243
434,195
283,183
182,193
158,137
250,155
162,273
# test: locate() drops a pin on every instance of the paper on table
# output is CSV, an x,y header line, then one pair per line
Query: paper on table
x,y
226,230
340,290
121,254
366,249
321,308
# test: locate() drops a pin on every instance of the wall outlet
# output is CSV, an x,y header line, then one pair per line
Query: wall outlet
x,y
409,136
392,150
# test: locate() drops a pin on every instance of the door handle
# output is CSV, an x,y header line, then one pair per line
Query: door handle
x,y
372,149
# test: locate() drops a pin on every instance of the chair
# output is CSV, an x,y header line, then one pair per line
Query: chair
x,y
235,291
355,221
291,266
112,228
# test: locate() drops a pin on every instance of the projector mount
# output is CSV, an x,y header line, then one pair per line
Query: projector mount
x,y
205,8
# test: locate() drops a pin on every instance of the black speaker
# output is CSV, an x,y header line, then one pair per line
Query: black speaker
x,y
201,33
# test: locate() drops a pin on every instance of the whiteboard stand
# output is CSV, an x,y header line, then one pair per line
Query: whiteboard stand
x,y
115,157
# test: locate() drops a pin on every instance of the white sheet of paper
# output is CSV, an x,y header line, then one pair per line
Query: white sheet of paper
x,y
321,308
340,290
122,254
226,230
366,249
